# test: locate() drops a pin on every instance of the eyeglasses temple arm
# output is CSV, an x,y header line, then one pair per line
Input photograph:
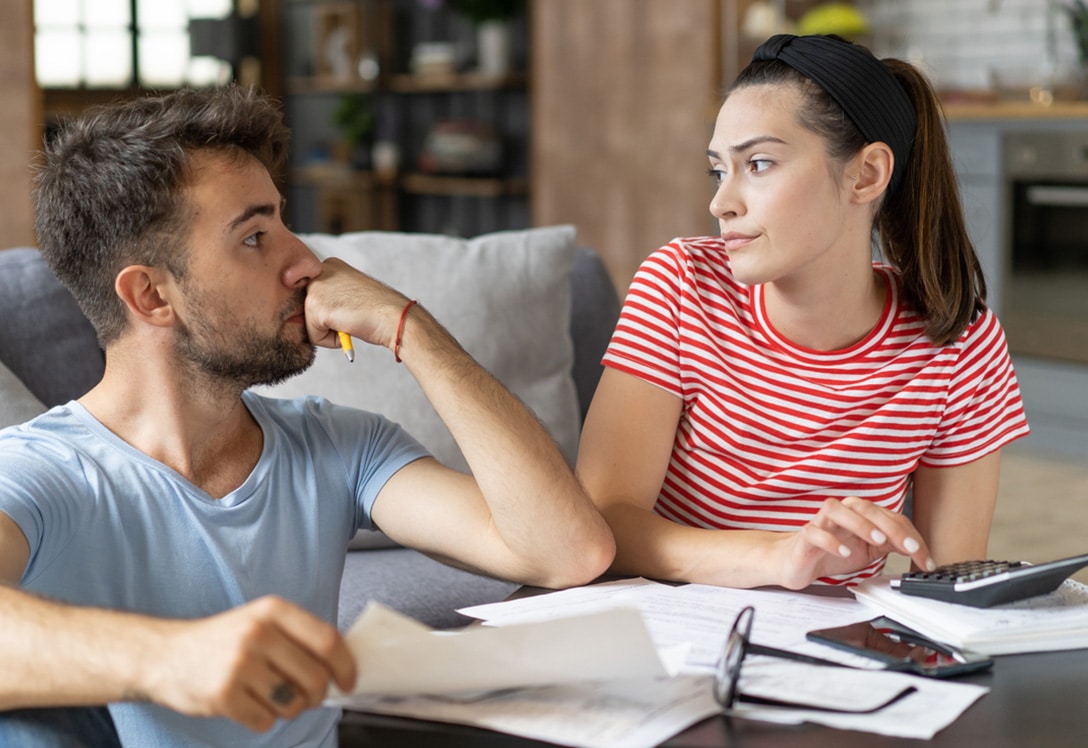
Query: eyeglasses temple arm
x,y
785,654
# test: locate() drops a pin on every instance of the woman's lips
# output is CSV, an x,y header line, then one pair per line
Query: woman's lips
x,y
734,240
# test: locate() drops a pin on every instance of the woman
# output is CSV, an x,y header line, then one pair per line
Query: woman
x,y
771,394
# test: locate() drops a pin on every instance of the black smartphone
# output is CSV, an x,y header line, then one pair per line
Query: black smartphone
x,y
901,648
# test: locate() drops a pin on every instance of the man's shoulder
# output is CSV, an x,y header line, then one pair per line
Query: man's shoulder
x,y
301,415
292,411
58,425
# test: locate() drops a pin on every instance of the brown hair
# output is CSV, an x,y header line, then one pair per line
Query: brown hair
x,y
110,188
920,223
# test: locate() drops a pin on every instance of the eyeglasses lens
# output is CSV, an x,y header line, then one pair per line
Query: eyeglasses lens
x,y
728,671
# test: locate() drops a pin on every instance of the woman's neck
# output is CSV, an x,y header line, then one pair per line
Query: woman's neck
x,y
830,316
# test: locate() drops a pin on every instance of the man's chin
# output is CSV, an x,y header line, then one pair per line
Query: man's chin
x,y
272,378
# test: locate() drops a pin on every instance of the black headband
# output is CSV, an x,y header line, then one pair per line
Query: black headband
x,y
858,82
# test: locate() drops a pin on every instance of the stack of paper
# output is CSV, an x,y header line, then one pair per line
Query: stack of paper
x,y
398,655
594,680
596,667
1046,623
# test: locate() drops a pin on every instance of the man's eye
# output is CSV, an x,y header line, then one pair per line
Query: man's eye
x,y
253,240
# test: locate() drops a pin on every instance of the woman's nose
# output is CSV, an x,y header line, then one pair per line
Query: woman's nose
x,y
725,201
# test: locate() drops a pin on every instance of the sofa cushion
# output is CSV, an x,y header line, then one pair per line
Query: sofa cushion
x,y
416,585
45,340
17,403
505,296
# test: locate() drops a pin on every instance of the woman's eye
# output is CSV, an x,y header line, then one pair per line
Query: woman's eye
x,y
759,165
716,175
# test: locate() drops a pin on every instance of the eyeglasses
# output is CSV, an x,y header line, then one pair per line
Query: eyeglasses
x,y
739,644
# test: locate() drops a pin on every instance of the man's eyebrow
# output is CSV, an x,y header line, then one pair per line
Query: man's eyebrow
x,y
750,143
266,209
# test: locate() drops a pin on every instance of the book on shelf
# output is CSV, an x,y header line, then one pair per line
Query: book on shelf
x,y
1055,621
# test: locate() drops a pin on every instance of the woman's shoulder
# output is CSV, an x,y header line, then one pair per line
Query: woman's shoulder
x,y
694,246
985,333
690,255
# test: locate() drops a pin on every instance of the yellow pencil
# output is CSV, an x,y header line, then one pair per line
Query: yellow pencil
x,y
346,346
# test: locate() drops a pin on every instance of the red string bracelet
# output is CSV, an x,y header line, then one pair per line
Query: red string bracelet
x,y
400,329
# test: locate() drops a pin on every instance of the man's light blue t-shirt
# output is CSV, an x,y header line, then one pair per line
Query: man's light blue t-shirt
x,y
110,527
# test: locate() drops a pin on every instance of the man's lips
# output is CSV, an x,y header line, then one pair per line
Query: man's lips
x,y
736,240
297,313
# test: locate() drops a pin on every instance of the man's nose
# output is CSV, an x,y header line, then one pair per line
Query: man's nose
x,y
303,267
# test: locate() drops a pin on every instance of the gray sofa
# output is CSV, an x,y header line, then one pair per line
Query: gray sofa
x,y
48,351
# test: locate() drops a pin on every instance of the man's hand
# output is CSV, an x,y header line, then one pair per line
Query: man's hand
x,y
263,661
342,298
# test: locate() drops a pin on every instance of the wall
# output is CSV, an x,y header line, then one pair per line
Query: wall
x,y
624,95
962,44
19,118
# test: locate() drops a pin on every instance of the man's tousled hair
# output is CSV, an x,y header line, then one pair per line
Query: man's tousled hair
x,y
109,189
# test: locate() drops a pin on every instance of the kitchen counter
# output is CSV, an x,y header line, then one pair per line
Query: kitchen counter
x,y
955,110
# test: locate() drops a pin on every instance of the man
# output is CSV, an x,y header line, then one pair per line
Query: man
x,y
178,540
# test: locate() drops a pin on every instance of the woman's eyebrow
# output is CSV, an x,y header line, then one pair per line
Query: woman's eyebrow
x,y
747,144
752,142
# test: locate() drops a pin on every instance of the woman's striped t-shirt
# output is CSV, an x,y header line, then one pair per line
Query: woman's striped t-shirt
x,y
769,430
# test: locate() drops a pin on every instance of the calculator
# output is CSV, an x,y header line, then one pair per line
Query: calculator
x,y
982,584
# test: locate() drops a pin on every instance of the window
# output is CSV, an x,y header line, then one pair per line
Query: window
x,y
118,44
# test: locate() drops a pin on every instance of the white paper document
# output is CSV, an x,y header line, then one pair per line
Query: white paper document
x,y
788,683
932,706
397,655
597,666
591,681
696,614
703,614
1055,621
614,714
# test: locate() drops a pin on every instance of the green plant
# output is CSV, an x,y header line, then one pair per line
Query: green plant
x,y
354,116
482,11
1078,22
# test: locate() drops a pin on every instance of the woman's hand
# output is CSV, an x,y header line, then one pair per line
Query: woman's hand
x,y
846,536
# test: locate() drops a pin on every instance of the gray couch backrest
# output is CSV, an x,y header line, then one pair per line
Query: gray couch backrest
x,y
50,346
44,338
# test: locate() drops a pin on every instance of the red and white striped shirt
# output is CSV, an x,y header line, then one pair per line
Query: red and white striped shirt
x,y
769,429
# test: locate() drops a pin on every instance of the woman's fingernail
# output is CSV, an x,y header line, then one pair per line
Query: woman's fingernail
x,y
911,545
844,551
931,565
878,537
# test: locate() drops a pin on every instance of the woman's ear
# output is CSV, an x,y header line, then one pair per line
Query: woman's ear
x,y
870,171
145,292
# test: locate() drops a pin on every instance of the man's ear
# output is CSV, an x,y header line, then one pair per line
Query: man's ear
x,y
145,290
870,171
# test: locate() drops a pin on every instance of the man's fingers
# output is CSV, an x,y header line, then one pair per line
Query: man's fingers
x,y
312,653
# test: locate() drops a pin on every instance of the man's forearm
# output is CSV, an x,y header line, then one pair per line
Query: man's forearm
x,y
62,655
538,506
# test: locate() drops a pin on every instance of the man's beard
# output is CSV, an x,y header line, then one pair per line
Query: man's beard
x,y
241,356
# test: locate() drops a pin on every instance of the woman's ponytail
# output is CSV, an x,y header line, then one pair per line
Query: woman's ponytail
x,y
922,228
